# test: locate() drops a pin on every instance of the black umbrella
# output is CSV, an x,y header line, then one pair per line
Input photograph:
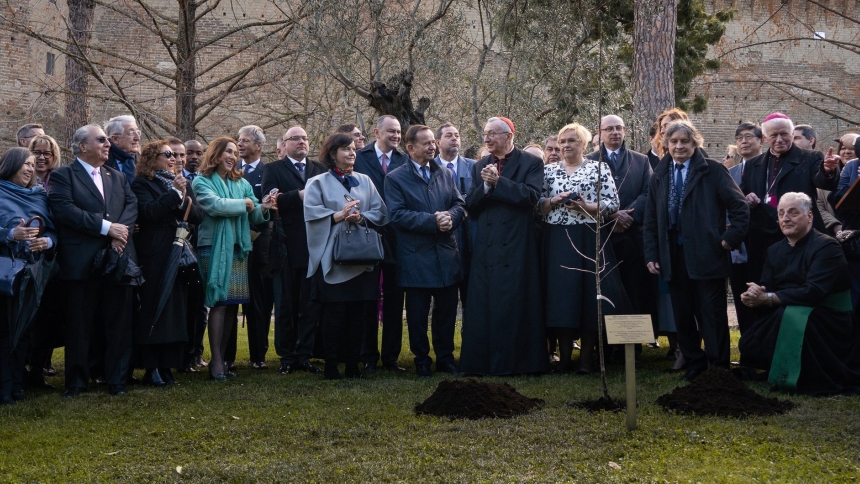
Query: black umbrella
x,y
33,282
180,245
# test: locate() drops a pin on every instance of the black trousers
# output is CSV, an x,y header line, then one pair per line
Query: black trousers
x,y
97,305
704,300
342,325
392,322
442,329
738,281
258,313
195,321
296,316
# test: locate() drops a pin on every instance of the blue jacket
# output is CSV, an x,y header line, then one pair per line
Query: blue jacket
x,y
466,233
426,257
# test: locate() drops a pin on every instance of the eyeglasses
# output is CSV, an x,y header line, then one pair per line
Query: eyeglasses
x,y
358,136
39,154
550,149
101,139
132,133
610,129
297,138
168,154
745,137
492,134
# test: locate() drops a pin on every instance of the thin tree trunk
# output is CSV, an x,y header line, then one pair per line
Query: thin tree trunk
x,y
655,25
77,78
186,71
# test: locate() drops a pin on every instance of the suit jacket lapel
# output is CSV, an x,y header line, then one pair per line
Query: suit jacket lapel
x,y
291,168
107,184
791,161
86,179
511,165
698,166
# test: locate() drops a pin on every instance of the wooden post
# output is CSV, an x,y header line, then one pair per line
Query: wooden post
x,y
630,378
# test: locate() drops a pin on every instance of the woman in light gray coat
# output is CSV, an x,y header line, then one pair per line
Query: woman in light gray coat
x,y
348,293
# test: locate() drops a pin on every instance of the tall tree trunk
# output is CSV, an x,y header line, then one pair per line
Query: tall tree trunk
x,y
77,78
655,25
186,71
395,98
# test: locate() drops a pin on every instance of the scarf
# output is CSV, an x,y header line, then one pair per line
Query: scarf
x,y
229,231
346,179
17,202
165,177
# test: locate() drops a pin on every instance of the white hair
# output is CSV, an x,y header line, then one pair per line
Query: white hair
x,y
803,200
255,132
81,137
773,122
115,125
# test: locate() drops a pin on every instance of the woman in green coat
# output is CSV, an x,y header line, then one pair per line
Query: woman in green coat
x,y
224,240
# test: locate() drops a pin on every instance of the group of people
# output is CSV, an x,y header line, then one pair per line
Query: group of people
x,y
514,239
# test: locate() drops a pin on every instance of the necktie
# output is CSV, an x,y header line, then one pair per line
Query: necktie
x,y
613,158
249,168
384,163
191,176
679,187
453,170
425,174
301,167
97,179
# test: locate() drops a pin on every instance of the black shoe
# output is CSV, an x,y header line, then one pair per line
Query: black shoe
x,y
49,371
285,369
220,377
447,368
118,390
132,380
331,373
369,368
230,365
654,345
72,392
7,401
199,361
259,365
18,396
152,378
672,355
352,372
393,366
167,376
691,374
306,366
423,371
189,369
37,381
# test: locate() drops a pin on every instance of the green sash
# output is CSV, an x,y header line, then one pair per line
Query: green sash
x,y
785,367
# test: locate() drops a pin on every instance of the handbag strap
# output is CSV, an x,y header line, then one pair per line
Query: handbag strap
x,y
36,218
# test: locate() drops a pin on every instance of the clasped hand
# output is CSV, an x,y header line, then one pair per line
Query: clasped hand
x,y
444,222
754,296
490,175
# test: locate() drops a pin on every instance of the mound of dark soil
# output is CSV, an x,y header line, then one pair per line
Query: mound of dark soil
x,y
718,392
473,400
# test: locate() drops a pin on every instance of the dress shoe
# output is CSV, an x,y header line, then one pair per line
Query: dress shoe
x,y
553,358
331,373
132,380
308,368
37,381
259,365
72,392
672,355
18,396
691,374
447,368
49,371
369,368
352,372
583,372
199,361
7,401
189,369
230,365
423,371
153,378
167,376
576,346
220,377
118,390
654,345
562,367
393,366
285,369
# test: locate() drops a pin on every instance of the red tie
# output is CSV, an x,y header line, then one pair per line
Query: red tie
x,y
384,163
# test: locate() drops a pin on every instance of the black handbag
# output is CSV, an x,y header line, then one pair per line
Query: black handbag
x,y
850,242
357,245
12,269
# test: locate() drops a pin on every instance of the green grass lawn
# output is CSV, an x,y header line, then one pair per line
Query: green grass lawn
x,y
262,427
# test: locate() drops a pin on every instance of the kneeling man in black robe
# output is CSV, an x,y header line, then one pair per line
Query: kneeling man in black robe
x,y
806,335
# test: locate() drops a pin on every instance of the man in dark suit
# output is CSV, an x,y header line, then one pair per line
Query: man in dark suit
x,y
124,144
687,242
376,160
425,207
748,137
197,312
259,311
296,316
95,209
781,169
632,174
448,142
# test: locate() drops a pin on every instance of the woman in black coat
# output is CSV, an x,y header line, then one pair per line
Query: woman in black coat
x,y
162,200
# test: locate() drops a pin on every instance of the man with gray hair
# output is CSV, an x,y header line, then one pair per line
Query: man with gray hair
x,y
28,132
503,330
95,210
124,138
783,168
806,336
259,313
